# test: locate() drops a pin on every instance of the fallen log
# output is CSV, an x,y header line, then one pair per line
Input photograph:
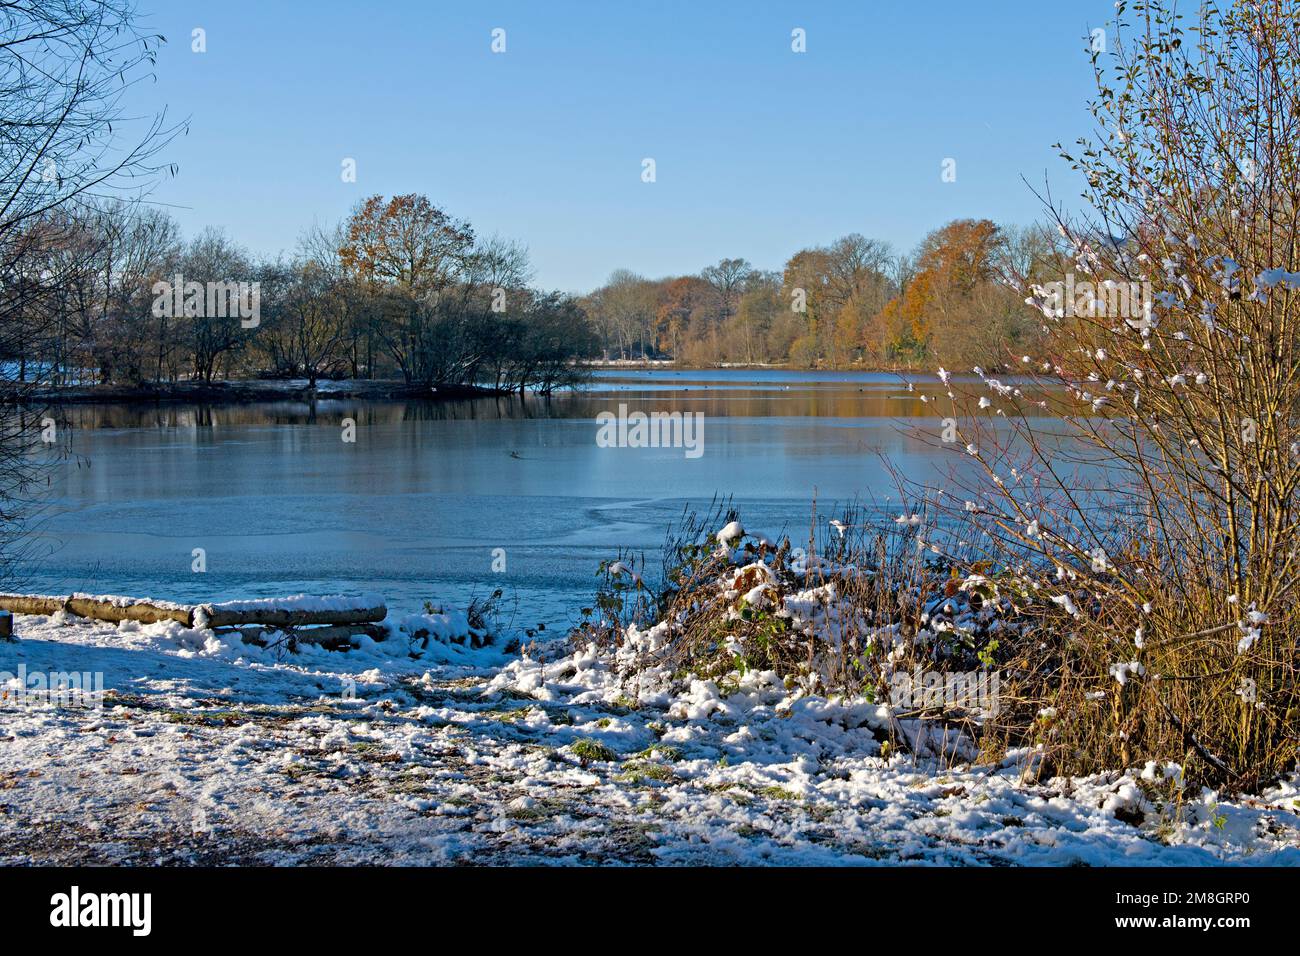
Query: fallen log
x,y
32,603
98,607
112,608
329,636
298,611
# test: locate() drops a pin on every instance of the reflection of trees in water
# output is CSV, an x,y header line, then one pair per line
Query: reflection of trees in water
x,y
32,441
872,400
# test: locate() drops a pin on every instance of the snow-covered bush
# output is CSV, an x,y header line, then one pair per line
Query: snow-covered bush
x,y
842,616
473,627
1164,533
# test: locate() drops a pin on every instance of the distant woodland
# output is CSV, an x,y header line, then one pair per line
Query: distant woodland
x,y
403,290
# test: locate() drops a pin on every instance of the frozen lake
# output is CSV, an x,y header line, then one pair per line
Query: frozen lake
x,y
415,507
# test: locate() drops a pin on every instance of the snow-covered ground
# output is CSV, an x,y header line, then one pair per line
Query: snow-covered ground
x,y
208,750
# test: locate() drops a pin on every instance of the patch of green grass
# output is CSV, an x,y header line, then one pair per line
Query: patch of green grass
x,y
545,808
637,771
511,716
592,751
210,718
779,793
732,791
528,814
666,751
406,784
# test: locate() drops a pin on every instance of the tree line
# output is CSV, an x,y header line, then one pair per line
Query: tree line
x,y
398,290
852,303
401,289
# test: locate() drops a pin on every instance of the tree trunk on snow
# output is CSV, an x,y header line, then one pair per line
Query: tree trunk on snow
x,y
209,615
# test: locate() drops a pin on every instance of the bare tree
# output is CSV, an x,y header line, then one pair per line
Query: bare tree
x,y
312,306
627,310
212,335
1164,539
140,246
65,67
727,279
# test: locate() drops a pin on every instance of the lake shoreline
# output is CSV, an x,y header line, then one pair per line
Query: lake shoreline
x,y
254,391
246,392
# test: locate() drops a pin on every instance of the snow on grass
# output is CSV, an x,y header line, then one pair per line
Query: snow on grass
x,y
207,750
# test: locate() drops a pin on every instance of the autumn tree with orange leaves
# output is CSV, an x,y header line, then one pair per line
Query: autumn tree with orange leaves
x,y
407,253
958,307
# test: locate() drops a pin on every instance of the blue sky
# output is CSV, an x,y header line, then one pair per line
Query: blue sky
x,y
759,151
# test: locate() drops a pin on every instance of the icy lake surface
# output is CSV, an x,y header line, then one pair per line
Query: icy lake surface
x,y
416,506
